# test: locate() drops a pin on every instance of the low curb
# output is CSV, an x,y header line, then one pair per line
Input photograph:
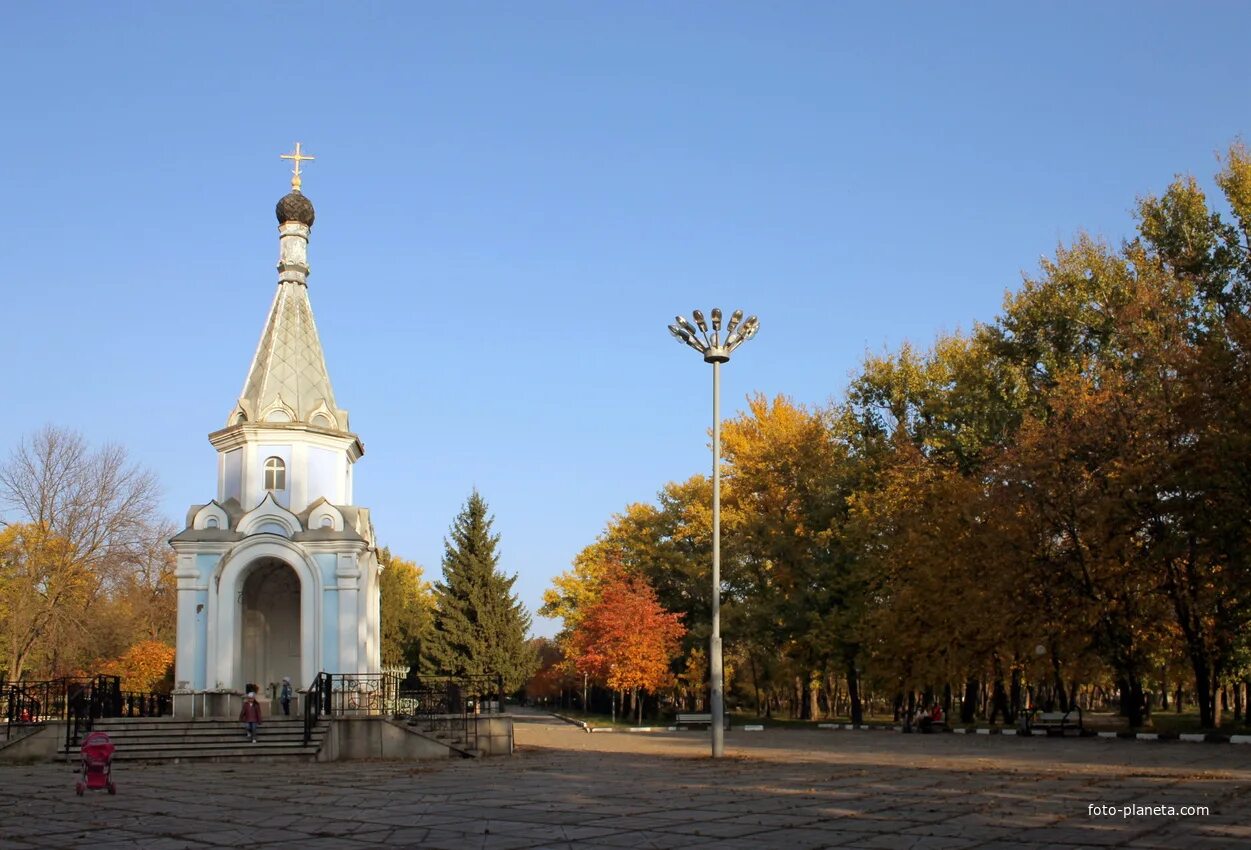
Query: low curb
x,y
1188,737
586,727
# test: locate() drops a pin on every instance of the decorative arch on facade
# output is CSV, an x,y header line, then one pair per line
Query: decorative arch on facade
x,y
270,517
322,417
239,415
211,515
224,645
279,411
325,515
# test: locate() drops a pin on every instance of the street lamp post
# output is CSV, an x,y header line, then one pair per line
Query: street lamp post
x,y
716,351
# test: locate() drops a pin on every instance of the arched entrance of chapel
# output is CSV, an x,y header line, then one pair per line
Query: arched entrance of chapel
x,y
236,608
270,638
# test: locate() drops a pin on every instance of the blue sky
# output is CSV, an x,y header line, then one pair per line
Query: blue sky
x,y
513,200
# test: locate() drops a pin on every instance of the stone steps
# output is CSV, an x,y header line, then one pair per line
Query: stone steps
x,y
169,740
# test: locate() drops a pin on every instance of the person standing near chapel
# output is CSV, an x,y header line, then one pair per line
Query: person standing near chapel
x,y
284,696
250,715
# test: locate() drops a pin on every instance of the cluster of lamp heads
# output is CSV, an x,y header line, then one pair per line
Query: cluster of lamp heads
x,y
709,342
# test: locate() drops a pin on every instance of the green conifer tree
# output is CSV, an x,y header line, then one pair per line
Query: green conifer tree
x,y
480,626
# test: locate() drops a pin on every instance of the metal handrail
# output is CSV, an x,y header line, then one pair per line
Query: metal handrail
x,y
316,703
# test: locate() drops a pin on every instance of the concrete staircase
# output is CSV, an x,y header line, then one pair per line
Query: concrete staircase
x,y
164,739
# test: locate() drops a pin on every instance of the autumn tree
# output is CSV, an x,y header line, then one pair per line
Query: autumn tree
x,y
480,625
1057,497
668,544
406,609
554,676
146,667
626,639
787,483
41,583
1197,369
85,533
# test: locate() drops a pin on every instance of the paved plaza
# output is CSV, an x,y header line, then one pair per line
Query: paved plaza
x,y
565,788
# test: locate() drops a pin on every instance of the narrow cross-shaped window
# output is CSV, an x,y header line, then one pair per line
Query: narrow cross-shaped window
x,y
275,474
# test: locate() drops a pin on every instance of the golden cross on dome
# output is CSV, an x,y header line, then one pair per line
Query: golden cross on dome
x,y
298,158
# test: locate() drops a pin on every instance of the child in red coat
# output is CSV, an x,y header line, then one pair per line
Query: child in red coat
x,y
250,715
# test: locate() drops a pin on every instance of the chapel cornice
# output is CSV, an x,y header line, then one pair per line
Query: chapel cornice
x,y
236,436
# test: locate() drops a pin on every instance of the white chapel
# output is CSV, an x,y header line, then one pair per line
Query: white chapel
x,y
277,575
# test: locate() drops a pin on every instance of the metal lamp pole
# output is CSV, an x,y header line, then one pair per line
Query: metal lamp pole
x,y
715,351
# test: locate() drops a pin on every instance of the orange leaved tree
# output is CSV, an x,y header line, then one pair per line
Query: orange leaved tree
x,y
143,667
626,639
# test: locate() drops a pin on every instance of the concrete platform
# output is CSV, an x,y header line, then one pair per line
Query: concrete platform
x,y
567,789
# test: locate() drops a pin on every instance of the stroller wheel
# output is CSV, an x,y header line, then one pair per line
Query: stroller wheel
x,y
112,788
78,788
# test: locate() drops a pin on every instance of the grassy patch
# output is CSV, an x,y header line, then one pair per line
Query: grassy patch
x,y
600,721
1188,722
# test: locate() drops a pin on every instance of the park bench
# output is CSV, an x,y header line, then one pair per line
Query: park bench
x,y
932,726
1060,722
697,720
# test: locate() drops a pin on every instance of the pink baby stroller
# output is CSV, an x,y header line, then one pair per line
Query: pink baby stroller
x,y
97,764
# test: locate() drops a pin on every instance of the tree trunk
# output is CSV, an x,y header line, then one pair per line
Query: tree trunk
x,y
999,702
999,693
1058,681
755,680
1014,704
1206,691
853,693
968,705
1131,699
853,699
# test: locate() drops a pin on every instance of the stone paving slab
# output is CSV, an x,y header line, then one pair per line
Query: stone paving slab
x,y
566,789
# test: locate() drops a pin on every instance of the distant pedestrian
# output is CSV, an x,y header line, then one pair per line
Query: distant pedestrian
x,y
250,715
284,696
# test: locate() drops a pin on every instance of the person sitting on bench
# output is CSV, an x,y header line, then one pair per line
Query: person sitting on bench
x,y
922,720
927,721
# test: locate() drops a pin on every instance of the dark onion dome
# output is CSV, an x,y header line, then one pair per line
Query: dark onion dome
x,y
295,207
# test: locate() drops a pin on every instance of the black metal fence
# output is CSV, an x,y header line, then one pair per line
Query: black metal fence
x,y
450,699
78,701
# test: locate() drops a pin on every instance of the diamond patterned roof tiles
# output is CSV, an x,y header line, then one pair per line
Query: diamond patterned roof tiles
x,y
289,369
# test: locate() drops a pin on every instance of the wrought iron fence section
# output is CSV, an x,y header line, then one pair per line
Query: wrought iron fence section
x,y
25,703
137,704
363,694
430,696
442,704
78,701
